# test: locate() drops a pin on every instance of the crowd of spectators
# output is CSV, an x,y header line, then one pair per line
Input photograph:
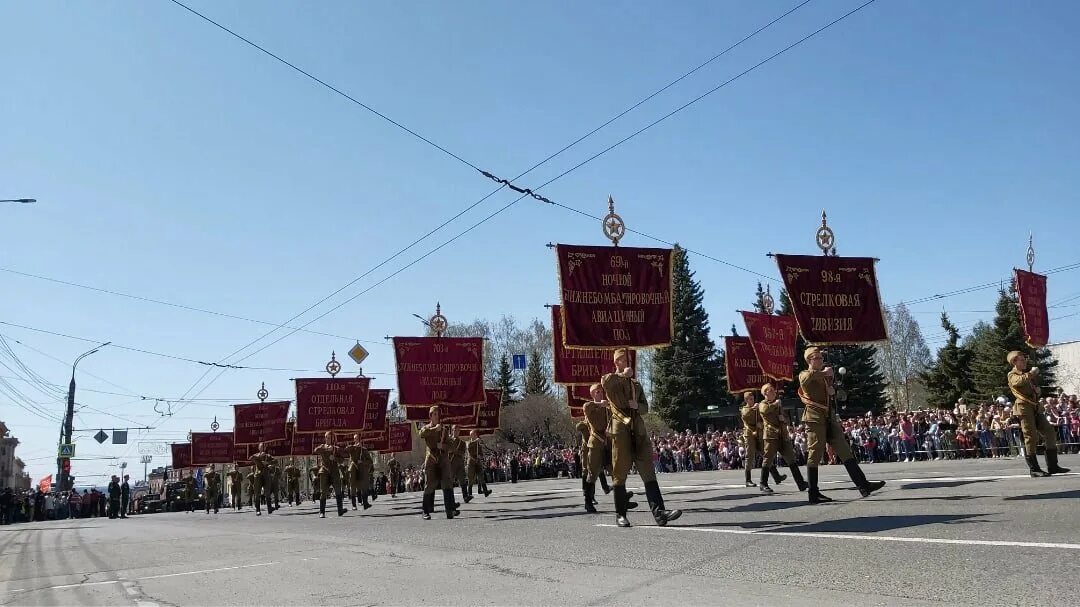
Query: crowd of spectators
x,y
37,505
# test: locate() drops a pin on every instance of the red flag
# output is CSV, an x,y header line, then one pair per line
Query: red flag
x,y
304,443
375,410
45,484
487,415
259,422
436,370
331,403
1031,290
181,455
615,296
580,366
576,397
283,448
400,437
743,372
211,448
835,299
773,339
242,455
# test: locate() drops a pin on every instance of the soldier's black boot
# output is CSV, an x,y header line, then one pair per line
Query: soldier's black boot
x,y
1033,467
604,485
428,505
656,503
353,496
777,477
341,509
763,485
485,490
465,495
322,507
1052,466
448,503
620,507
364,501
590,493
855,472
816,496
799,482
258,506
747,470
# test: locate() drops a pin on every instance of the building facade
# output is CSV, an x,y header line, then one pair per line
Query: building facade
x,y
1067,373
11,468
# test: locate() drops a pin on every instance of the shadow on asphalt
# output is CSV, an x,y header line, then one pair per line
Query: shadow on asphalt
x,y
23,527
533,517
765,506
743,525
1045,496
944,498
945,484
875,524
751,493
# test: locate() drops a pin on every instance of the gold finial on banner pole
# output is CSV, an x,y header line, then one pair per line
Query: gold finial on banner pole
x,y
438,322
214,425
613,225
333,367
1031,252
262,393
767,301
826,239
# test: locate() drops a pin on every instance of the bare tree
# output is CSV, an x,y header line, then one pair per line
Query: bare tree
x,y
903,358
537,418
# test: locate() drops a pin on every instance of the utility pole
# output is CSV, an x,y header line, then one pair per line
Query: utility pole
x,y
146,459
62,479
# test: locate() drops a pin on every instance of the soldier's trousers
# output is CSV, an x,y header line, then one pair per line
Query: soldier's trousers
x,y
211,500
752,448
630,445
329,477
1033,423
595,454
820,432
262,489
293,492
235,493
437,474
783,445
395,478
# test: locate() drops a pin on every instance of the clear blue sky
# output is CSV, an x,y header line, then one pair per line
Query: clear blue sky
x,y
171,161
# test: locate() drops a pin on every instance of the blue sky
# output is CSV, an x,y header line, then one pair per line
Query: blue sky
x,y
173,162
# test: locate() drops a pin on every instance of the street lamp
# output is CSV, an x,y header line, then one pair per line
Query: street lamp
x,y
66,428
20,200
146,459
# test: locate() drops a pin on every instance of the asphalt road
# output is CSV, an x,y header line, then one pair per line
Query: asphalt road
x,y
976,532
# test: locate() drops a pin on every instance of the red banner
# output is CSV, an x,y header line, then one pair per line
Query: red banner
x,y
1031,289
576,397
835,299
434,370
242,455
615,296
375,410
487,414
259,422
378,440
773,339
283,448
580,365
211,448
337,404
743,372
450,414
45,484
181,455
304,443
400,437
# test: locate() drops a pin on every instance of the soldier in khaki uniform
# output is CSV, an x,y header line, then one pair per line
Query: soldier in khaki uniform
x,y
213,489
263,463
752,435
775,439
329,474
189,493
313,480
359,478
1033,422
437,473
630,442
474,450
458,452
236,482
394,467
250,484
276,482
823,426
292,484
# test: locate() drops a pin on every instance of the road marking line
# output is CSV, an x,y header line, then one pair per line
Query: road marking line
x,y
61,587
157,577
872,538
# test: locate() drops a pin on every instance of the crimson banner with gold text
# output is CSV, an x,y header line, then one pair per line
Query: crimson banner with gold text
x,y
304,443
242,455
336,404
835,299
449,414
283,448
436,370
487,414
400,436
377,440
576,397
615,296
1031,289
211,448
259,422
181,455
743,371
375,410
773,339
580,365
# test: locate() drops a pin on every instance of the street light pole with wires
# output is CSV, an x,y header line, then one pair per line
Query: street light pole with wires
x,y
65,429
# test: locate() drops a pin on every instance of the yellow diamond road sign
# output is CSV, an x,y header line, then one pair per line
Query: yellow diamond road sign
x,y
358,354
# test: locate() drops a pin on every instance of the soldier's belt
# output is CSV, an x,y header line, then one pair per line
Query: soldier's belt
x,y
813,404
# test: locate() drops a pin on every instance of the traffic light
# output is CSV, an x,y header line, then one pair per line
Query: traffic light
x,y
66,466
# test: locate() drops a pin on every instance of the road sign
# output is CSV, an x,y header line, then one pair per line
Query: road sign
x,y
101,437
519,362
119,437
358,354
66,451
